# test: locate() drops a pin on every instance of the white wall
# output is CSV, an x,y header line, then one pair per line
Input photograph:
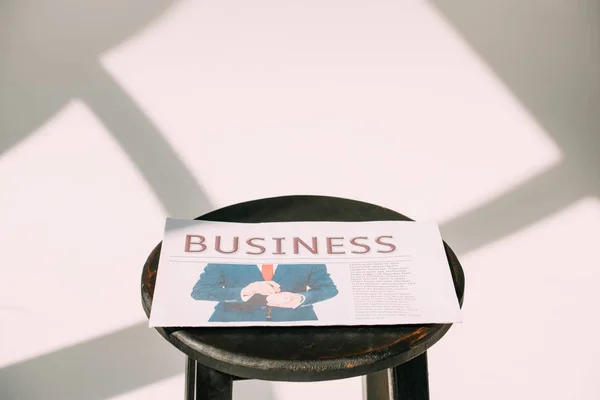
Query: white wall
x,y
480,115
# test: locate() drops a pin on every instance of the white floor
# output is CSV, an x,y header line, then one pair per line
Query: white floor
x,y
481,116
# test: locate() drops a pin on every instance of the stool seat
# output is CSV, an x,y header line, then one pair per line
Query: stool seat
x,y
301,353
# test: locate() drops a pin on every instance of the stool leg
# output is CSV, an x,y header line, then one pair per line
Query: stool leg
x,y
190,379
412,379
204,383
408,381
380,385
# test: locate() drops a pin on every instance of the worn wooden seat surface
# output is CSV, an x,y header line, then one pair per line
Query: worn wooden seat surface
x,y
301,353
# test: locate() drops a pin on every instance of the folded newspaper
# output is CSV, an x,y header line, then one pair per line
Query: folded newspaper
x,y
302,273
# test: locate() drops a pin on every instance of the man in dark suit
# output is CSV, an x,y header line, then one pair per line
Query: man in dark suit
x,y
267,292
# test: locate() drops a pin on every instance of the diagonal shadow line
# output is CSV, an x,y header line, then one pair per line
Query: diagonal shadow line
x,y
172,182
527,203
46,49
136,356
95,369
552,72
104,367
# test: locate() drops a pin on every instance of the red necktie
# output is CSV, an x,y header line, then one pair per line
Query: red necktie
x,y
267,272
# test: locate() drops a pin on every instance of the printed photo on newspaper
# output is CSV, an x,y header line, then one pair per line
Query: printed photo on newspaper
x,y
302,273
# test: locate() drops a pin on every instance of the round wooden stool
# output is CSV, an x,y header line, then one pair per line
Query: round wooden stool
x,y
217,356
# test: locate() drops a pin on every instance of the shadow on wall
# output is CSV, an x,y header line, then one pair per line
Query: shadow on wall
x,y
105,367
96,369
548,56
50,55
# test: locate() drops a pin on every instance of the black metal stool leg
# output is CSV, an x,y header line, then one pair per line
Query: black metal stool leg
x,y
379,385
408,381
204,383
412,379
190,379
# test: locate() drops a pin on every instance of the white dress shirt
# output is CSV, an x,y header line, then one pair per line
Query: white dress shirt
x,y
245,298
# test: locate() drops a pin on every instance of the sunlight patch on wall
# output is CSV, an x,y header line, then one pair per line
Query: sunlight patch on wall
x,y
377,101
78,221
531,298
